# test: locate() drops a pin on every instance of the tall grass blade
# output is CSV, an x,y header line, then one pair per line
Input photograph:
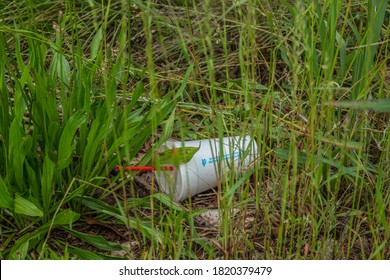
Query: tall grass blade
x,y
6,200
377,105
97,241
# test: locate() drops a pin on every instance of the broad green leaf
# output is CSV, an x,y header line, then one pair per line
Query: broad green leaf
x,y
23,243
20,253
47,182
97,205
177,156
92,150
6,200
35,187
51,133
97,241
19,102
26,207
378,105
45,109
139,89
95,44
65,147
62,67
66,217
15,154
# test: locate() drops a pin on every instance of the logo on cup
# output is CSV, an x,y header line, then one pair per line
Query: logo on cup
x,y
212,160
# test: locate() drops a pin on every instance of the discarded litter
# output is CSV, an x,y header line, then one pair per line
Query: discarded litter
x,y
214,157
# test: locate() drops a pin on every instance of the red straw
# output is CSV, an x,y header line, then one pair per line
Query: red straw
x,y
142,168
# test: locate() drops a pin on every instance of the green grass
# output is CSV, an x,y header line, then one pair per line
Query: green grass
x,y
88,85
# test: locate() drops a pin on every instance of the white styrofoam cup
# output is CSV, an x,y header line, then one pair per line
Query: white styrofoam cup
x,y
208,165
